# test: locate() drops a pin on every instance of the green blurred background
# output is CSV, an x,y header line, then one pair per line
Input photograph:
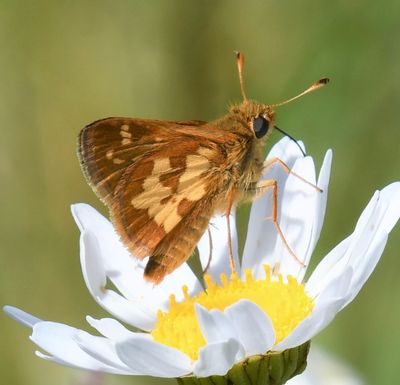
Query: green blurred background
x,y
64,64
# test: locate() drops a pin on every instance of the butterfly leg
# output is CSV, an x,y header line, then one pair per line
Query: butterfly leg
x,y
231,196
270,162
261,187
210,253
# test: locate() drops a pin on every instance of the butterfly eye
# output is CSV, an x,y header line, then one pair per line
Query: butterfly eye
x,y
260,126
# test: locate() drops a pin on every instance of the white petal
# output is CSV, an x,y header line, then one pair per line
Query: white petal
x,y
136,314
323,183
218,358
321,275
320,209
336,260
220,261
371,244
110,328
327,305
101,349
92,267
112,255
362,274
296,217
253,328
139,311
151,358
214,324
243,321
49,358
60,342
261,233
126,272
364,247
390,196
21,316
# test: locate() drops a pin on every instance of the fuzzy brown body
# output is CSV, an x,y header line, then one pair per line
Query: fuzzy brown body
x,y
163,180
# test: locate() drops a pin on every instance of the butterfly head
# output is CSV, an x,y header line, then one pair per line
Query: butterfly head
x,y
260,117
257,117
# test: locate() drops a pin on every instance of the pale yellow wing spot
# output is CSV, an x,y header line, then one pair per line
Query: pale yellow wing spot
x,y
161,165
195,166
197,163
109,154
125,142
169,216
196,193
118,161
154,191
190,187
206,152
125,134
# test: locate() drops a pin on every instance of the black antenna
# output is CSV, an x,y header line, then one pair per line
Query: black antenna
x,y
291,137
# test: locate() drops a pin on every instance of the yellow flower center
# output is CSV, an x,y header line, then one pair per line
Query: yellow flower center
x,y
285,303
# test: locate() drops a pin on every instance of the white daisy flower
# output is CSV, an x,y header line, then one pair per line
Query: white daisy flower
x,y
257,321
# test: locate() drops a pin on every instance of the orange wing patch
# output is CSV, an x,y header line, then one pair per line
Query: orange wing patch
x,y
165,206
160,197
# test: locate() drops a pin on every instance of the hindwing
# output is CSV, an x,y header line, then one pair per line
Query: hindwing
x,y
159,190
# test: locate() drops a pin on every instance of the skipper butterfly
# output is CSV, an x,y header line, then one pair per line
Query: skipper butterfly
x,y
163,180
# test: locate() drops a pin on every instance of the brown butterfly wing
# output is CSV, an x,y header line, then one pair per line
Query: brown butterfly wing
x,y
164,202
160,181
178,245
109,146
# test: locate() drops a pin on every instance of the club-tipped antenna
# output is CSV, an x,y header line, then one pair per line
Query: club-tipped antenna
x,y
315,86
291,138
240,65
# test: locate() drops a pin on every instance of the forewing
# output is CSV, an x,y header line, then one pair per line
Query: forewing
x,y
109,146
